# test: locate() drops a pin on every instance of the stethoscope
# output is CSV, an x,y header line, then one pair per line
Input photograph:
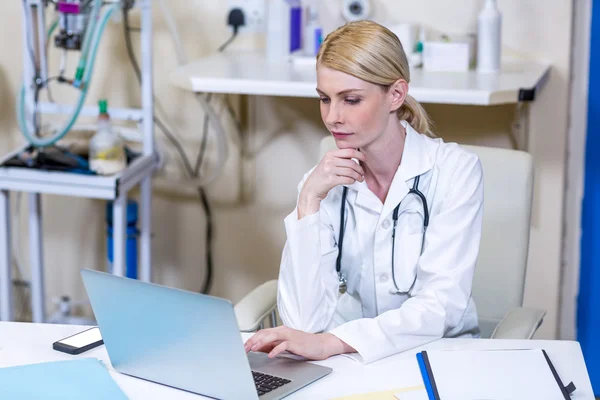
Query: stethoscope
x,y
338,266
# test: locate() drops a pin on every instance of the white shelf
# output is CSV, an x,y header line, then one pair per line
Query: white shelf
x,y
74,184
250,73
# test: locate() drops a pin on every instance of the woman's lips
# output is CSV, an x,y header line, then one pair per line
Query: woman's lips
x,y
340,135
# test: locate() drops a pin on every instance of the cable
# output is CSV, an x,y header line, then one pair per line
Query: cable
x,y
228,42
200,157
177,144
235,19
27,26
179,148
161,125
209,240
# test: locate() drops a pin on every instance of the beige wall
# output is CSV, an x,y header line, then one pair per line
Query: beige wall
x,y
249,237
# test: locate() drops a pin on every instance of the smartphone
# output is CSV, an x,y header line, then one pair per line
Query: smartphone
x,y
80,342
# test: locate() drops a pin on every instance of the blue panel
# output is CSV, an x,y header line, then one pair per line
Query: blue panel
x,y
588,307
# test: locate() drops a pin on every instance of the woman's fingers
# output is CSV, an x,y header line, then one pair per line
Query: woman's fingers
x,y
341,162
344,180
280,348
255,338
268,347
264,341
265,336
350,173
349,153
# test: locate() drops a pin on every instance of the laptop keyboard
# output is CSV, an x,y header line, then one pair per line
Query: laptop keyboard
x,y
266,383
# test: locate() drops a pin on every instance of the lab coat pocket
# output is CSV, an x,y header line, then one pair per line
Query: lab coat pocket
x,y
348,308
406,260
412,220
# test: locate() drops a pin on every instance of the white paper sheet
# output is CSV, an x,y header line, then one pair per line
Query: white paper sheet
x,y
493,374
412,395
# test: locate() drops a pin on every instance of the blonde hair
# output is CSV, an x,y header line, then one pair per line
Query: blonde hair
x,y
371,52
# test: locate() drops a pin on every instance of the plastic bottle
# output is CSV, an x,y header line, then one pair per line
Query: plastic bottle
x,y
313,33
278,30
107,151
295,25
489,38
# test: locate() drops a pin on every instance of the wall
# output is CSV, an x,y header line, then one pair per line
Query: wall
x,y
574,185
249,237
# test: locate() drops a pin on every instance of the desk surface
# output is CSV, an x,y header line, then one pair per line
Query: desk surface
x,y
23,343
250,73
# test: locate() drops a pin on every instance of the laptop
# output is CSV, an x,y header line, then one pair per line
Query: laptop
x,y
186,340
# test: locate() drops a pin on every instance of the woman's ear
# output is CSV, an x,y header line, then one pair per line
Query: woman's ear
x,y
398,92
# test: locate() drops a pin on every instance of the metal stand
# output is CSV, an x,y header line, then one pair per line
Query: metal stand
x,y
115,188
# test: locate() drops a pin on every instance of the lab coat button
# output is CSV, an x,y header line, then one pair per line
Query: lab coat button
x,y
383,278
386,224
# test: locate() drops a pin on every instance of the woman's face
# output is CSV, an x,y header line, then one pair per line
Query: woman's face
x,y
356,112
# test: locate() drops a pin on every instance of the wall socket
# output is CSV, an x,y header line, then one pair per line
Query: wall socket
x,y
255,13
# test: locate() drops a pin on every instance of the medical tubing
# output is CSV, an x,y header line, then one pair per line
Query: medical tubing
x,y
338,262
87,40
395,219
51,29
86,79
170,21
221,136
222,148
96,42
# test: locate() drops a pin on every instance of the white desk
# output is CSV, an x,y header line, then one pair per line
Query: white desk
x,y
32,343
249,73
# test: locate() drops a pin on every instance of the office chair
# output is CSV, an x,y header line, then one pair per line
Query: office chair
x,y
499,279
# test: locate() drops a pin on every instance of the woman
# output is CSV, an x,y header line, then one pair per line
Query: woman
x,y
412,217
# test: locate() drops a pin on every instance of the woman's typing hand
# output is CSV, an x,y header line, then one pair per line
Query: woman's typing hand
x,y
314,346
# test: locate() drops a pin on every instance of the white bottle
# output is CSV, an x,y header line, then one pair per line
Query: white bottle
x,y
313,33
489,38
107,151
278,30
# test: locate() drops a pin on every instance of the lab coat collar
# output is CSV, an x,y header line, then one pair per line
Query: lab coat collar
x,y
415,156
415,162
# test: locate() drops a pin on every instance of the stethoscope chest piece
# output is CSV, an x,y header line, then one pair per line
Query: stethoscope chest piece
x,y
343,286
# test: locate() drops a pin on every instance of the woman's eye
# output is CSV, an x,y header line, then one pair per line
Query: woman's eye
x,y
352,101
324,100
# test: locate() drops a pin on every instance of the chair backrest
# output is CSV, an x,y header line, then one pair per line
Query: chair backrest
x,y
500,273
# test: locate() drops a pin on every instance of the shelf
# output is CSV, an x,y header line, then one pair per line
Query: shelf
x,y
249,73
73,184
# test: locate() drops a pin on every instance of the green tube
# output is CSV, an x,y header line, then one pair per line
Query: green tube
x,y
89,32
39,142
87,77
52,28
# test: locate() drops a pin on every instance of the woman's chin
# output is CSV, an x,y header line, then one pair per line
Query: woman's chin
x,y
345,144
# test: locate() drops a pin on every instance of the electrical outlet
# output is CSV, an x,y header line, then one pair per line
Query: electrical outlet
x,y
255,14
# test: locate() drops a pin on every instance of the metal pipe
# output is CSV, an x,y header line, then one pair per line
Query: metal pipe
x,y
41,47
38,303
6,298
147,73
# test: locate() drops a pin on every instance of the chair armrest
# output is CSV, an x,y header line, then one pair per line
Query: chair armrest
x,y
519,323
256,306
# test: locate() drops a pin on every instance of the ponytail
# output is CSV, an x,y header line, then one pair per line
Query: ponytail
x,y
414,113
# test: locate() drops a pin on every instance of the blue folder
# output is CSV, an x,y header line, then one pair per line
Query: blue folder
x,y
85,378
427,375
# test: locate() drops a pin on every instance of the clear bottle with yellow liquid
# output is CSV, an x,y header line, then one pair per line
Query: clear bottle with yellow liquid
x,y
107,149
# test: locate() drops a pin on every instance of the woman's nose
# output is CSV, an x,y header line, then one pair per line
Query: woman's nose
x,y
334,115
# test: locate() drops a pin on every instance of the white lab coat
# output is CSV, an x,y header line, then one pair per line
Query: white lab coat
x,y
368,317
